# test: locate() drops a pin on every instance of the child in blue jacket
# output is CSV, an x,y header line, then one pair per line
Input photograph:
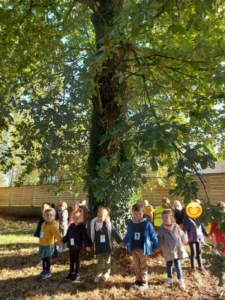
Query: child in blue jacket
x,y
140,236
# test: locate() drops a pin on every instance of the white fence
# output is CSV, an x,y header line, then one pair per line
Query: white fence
x,y
35,195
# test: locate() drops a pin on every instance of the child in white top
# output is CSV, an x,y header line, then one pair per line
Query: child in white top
x,y
63,223
102,232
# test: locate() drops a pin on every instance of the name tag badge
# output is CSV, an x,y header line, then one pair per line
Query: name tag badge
x,y
137,235
102,238
72,242
42,234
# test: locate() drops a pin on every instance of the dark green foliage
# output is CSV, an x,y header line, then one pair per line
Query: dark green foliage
x,y
104,91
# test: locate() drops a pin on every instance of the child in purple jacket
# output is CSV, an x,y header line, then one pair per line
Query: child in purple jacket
x,y
195,238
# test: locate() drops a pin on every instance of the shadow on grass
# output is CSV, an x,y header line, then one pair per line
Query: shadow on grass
x,y
16,262
19,288
20,260
56,287
18,231
33,287
16,246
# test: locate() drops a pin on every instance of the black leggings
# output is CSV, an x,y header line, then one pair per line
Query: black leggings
x,y
74,259
46,264
195,248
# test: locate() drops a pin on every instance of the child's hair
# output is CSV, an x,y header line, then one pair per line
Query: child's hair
x,y
177,204
76,203
168,212
45,205
63,203
221,206
83,202
52,205
196,200
100,208
145,202
109,211
165,202
137,207
103,210
79,212
49,210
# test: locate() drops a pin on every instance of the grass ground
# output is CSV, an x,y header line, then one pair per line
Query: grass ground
x,y
18,273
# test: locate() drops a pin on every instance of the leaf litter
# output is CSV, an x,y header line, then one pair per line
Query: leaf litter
x,y
18,273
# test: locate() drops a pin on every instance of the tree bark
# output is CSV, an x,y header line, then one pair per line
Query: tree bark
x,y
106,111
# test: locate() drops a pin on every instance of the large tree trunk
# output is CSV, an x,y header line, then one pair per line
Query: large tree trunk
x,y
106,111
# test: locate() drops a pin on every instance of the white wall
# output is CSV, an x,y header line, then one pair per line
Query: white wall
x,y
219,168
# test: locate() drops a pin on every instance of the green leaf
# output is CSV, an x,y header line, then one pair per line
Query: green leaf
x,y
128,151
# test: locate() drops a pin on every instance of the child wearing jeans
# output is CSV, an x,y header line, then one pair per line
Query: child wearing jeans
x,y
102,231
170,240
49,230
63,223
75,237
141,239
195,234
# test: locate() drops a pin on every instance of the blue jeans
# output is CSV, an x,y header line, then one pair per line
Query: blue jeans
x,y
62,233
177,265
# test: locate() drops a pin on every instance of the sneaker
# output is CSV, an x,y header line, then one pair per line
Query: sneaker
x,y
105,276
68,276
143,287
181,284
75,277
97,278
137,283
168,282
202,271
41,274
40,264
46,275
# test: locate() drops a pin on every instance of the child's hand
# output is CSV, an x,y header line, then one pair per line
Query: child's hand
x,y
88,249
121,244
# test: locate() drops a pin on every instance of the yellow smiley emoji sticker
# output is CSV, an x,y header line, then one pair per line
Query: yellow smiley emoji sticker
x,y
194,210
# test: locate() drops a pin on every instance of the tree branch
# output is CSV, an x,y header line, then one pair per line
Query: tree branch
x,y
192,165
162,9
145,86
29,10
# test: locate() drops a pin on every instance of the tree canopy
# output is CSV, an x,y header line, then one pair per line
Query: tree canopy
x,y
106,90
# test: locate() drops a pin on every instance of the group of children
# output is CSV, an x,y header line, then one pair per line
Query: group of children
x,y
140,238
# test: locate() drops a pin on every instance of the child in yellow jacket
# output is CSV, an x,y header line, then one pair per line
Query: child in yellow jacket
x,y
49,230
148,210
